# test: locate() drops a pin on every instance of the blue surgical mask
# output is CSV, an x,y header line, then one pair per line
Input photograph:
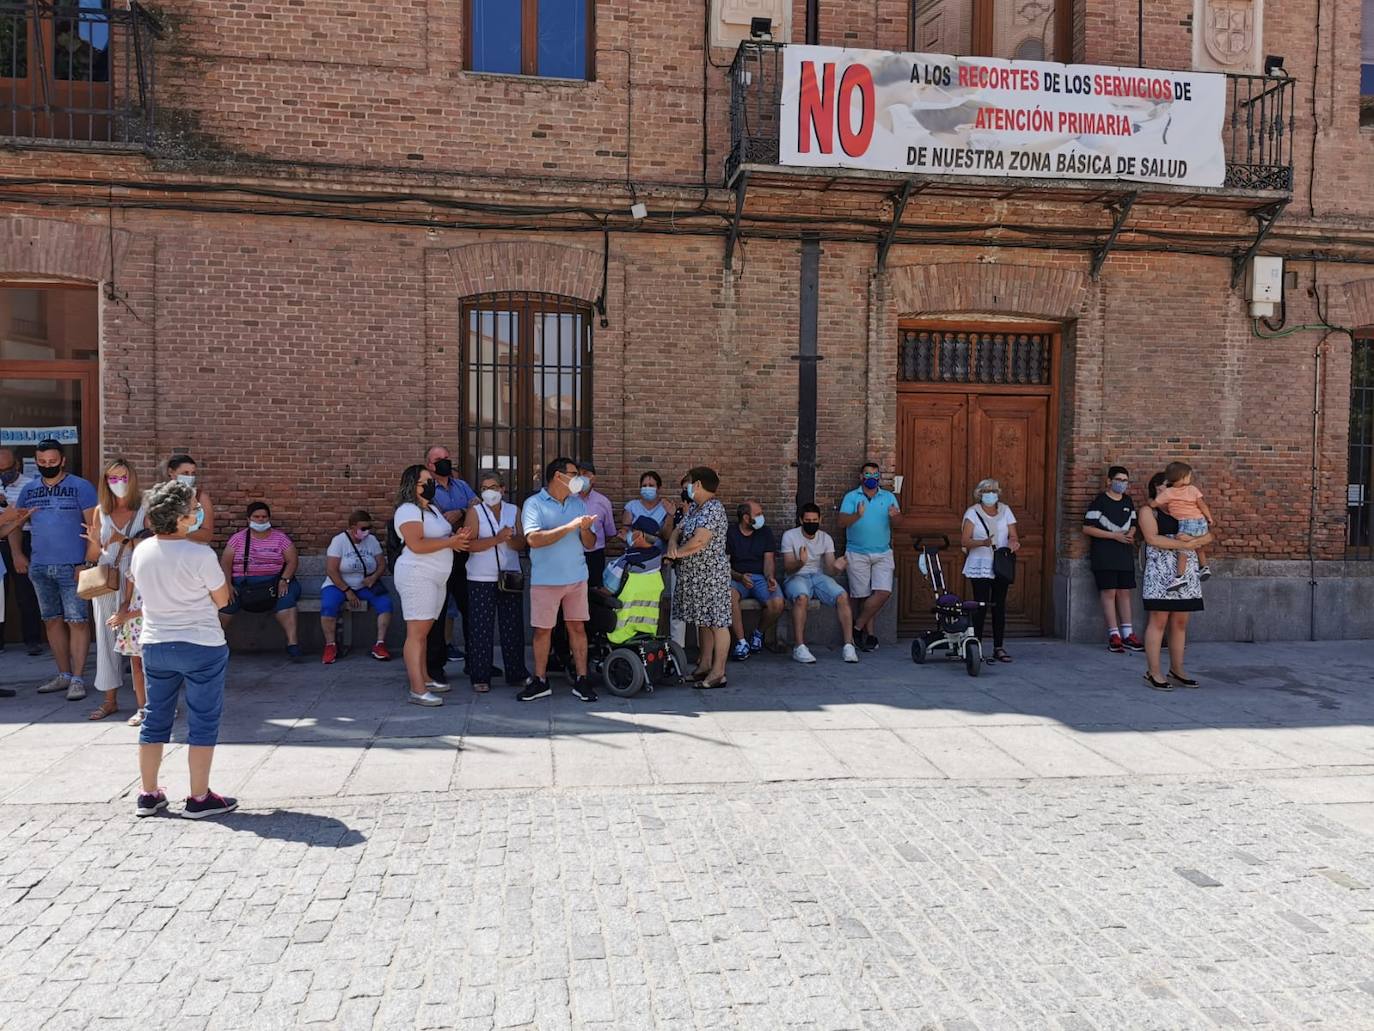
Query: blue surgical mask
x,y
648,493
200,521
691,492
261,525
871,482
989,498
758,522
578,484
1120,486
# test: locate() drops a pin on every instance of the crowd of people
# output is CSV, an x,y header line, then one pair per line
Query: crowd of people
x,y
134,572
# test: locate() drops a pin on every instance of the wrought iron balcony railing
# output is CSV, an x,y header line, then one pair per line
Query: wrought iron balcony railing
x,y
1258,130
77,71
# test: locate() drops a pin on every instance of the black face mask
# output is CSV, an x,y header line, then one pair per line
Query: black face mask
x,y
810,529
50,472
443,467
427,491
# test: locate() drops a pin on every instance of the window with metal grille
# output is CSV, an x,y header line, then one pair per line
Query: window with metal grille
x,y
933,356
527,385
1359,536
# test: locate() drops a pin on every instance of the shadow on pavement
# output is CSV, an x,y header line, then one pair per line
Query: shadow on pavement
x,y
290,825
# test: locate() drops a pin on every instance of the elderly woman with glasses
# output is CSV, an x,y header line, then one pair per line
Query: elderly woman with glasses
x,y
989,525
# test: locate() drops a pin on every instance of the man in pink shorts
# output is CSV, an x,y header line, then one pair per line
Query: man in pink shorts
x,y
558,530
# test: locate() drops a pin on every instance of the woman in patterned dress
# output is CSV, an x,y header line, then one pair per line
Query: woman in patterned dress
x,y
1167,611
697,548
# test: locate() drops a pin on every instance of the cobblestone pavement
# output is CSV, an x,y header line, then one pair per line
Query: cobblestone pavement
x,y
1042,850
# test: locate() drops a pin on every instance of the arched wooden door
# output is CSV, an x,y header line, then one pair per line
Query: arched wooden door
x,y
975,401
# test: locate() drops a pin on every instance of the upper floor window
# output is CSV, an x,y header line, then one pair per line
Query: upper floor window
x,y
1022,30
550,38
1367,64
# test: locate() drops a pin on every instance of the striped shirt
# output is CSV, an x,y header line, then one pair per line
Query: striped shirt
x,y
266,556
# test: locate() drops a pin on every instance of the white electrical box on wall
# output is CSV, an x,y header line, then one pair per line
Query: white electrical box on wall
x,y
1266,286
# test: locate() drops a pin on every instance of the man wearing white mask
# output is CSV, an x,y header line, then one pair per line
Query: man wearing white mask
x,y
182,468
751,546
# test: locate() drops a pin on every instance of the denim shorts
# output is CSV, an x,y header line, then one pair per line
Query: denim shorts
x,y
1193,527
333,600
201,668
814,585
56,590
284,601
757,589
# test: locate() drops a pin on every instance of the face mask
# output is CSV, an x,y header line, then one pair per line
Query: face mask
x,y
360,535
428,489
810,529
691,492
579,485
187,480
989,499
491,497
50,472
648,493
261,525
871,482
443,467
118,487
1120,486
758,522
9,476
198,522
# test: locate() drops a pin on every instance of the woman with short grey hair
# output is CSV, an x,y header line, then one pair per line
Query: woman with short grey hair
x,y
183,589
988,525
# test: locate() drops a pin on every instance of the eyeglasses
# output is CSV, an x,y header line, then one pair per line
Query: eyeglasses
x,y
363,529
116,479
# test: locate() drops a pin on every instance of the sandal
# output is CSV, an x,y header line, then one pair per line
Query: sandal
x,y
1158,685
697,676
106,709
140,714
1184,681
1001,655
707,683
481,688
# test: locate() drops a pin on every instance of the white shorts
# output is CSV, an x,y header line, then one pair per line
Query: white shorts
x,y
422,594
869,573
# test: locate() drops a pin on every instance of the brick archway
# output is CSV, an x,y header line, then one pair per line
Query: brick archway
x,y
62,250
527,266
1352,304
959,287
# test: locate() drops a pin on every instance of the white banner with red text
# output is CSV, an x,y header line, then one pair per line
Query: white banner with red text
x,y
932,114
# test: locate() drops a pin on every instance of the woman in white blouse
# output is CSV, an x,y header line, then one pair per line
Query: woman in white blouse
x,y
988,525
496,598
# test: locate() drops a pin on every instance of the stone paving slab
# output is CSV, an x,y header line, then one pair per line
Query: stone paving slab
x,y
1047,904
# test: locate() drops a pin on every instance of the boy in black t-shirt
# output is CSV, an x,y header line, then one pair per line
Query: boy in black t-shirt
x,y
1109,523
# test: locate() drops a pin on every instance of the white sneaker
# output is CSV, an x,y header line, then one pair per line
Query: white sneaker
x,y
851,654
434,687
57,683
76,691
801,653
428,698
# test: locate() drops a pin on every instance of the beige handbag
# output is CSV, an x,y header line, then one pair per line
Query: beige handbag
x,y
98,581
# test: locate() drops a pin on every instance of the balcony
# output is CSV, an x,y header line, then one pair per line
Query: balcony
x,y
1257,140
76,73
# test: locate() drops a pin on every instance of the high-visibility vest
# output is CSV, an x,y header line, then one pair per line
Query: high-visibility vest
x,y
638,613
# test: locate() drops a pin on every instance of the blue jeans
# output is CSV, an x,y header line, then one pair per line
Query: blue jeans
x,y
201,668
57,597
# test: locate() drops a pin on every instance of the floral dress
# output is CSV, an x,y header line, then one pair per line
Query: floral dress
x,y
703,586
126,637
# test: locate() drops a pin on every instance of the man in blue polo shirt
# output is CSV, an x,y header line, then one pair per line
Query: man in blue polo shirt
x,y
452,496
558,530
866,515
63,507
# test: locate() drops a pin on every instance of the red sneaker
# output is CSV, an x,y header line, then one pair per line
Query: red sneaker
x,y
380,652
331,653
1135,644
1115,644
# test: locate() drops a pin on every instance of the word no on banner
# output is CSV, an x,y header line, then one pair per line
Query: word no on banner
x,y
940,115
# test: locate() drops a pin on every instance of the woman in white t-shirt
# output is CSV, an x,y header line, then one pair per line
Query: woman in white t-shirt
x,y
354,565
183,588
422,571
989,524
494,555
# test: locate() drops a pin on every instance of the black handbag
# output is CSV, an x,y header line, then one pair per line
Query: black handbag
x,y
1003,559
508,581
256,597
378,589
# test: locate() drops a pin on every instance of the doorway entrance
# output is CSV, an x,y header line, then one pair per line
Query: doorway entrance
x,y
977,401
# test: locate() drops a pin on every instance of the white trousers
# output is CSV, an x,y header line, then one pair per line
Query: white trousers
x,y
109,664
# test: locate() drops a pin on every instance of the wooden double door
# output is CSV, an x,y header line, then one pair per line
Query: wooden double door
x,y
952,435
